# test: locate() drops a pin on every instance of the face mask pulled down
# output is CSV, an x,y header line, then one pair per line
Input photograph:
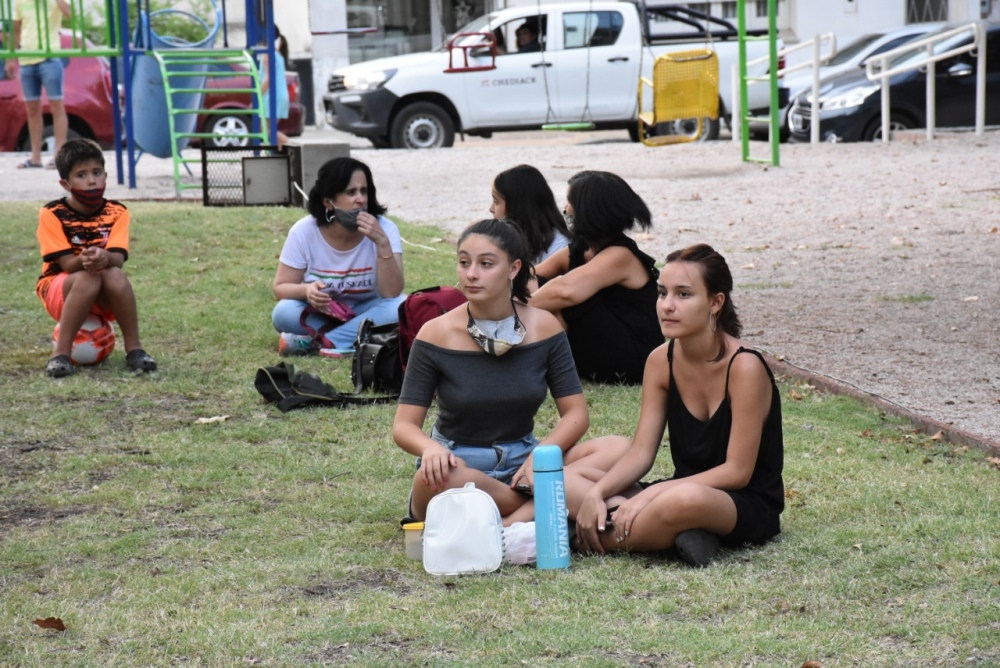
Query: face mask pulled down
x,y
348,219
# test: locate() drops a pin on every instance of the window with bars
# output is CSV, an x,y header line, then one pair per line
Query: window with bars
x,y
919,11
729,10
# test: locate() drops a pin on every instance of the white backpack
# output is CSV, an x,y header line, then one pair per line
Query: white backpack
x,y
463,533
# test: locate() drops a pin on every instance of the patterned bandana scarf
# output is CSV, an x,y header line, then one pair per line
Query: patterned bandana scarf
x,y
496,337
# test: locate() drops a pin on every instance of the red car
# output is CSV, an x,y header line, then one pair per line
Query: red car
x,y
87,95
224,125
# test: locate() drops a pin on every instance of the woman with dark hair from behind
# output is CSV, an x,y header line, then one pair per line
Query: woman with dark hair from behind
x,y
522,195
602,287
490,365
722,411
341,264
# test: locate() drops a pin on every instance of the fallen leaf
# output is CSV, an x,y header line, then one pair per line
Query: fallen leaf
x,y
795,396
210,420
995,461
748,266
866,433
993,230
973,298
50,623
857,546
938,436
812,664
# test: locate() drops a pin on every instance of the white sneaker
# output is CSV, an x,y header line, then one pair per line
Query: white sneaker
x,y
519,544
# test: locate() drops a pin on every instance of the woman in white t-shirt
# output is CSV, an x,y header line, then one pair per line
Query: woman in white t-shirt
x,y
341,264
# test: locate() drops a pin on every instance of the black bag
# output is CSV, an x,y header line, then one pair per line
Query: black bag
x,y
291,389
376,359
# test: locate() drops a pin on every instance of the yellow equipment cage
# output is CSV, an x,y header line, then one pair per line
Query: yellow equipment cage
x,y
685,85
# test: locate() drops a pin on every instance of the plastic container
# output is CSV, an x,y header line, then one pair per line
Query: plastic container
x,y
551,523
414,534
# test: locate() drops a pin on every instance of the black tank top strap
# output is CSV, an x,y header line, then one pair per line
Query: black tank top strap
x,y
739,350
577,250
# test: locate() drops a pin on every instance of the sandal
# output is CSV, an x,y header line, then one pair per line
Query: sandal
x,y
28,164
139,360
59,366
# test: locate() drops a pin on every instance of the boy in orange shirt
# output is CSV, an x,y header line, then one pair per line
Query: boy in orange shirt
x,y
84,244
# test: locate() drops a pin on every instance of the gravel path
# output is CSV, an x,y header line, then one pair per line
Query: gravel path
x,y
877,266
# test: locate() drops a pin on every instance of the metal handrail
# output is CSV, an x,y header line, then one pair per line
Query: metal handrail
x,y
818,59
875,70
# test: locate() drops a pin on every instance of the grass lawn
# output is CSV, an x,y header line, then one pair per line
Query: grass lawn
x,y
269,539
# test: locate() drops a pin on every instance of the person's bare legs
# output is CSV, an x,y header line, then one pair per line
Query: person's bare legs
x,y
111,290
80,291
33,109
60,124
116,295
507,499
682,507
585,464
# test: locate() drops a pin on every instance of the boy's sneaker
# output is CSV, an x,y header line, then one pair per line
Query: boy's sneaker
x,y
291,345
59,366
138,360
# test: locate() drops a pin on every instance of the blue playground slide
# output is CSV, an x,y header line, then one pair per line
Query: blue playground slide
x,y
149,101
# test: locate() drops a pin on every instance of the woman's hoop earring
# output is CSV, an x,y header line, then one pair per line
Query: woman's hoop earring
x,y
713,322
329,215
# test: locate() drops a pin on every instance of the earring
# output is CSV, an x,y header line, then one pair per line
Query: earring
x,y
713,322
329,215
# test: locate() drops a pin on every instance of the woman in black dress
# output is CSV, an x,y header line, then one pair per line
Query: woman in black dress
x,y
602,287
719,401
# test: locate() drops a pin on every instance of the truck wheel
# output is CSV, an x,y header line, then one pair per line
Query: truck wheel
x,y
689,126
422,125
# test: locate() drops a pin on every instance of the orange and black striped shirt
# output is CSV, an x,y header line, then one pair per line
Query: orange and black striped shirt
x,y
63,230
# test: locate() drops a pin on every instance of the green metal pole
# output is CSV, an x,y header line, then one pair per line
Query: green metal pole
x,y
772,30
744,127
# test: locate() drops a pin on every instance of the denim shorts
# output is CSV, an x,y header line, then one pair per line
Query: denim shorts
x,y
47,74
499,460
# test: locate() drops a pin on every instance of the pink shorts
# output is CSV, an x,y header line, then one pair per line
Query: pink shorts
x,y
54,300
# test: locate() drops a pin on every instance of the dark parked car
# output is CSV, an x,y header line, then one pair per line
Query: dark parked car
x,y
237,123
850,105
87,95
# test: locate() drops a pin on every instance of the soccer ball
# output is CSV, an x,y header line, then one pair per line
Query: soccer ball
x,y
93,343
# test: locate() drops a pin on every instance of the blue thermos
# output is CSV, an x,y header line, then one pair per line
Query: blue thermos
x,y
551,523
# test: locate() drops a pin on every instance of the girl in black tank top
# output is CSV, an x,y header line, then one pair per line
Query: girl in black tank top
x,y
719,401
603,288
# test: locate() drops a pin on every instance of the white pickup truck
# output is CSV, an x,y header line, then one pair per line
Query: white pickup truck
x,y
583,69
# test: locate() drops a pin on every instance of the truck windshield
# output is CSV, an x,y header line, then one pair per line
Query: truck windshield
x,y
482,24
